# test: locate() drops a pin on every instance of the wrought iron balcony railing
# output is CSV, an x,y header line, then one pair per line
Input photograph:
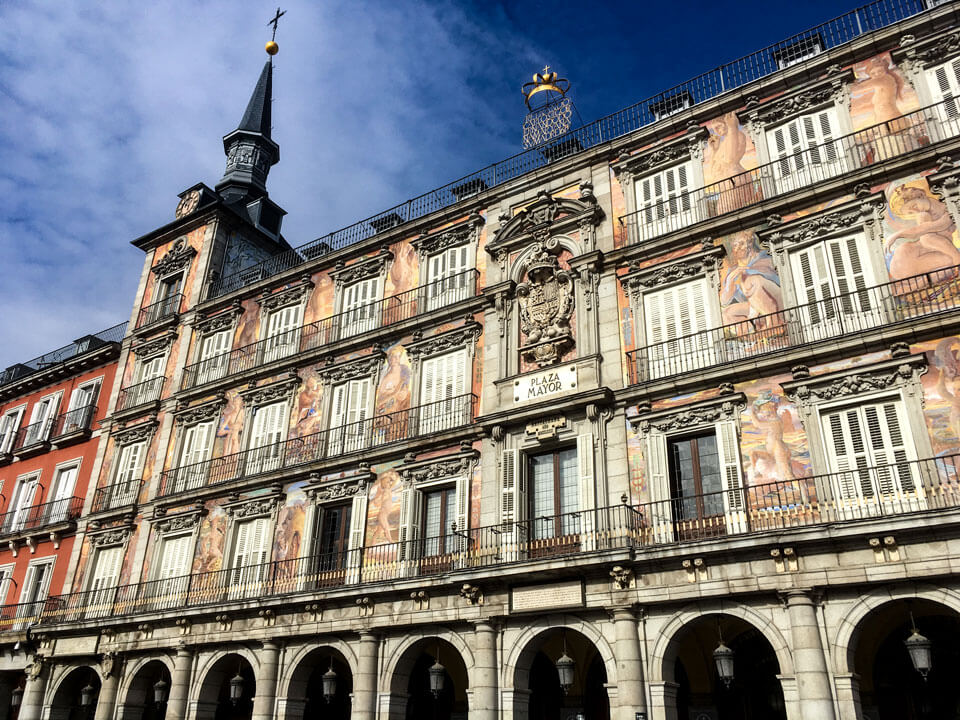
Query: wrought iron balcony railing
x,y
381,313
344,440
864,309
78,420
141,393
111,497
701,88
155,312
38,516
901,488
20,616
33,434
820,162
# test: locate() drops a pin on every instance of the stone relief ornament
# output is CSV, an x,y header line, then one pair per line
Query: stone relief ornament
x,y
546,304
177,258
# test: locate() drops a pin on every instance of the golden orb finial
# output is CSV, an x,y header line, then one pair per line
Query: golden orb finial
x,y
271,47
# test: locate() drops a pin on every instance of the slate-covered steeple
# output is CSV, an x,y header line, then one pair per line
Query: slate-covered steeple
x,y
250,150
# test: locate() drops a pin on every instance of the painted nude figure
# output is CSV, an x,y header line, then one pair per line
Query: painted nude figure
x,y
723,170
751,287
925,246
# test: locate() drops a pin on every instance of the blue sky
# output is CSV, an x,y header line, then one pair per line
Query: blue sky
x,y
109,109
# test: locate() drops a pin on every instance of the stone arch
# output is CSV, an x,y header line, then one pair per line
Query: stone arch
x,y
59,673
847,632
295,659
133,667
64,690
519,266
523,648
391,678
135,694
664,649
204,689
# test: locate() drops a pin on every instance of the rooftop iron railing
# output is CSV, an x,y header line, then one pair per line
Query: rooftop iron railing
x,y
111,497
343,440
862,309
908,487
381,313
38,516
155,312
705,86
793,172
56,357
141,393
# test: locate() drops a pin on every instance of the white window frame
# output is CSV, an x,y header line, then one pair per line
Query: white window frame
x,y
444,287
348,428
6,581
674,206
809,154
213,365
284,340
44,418
21,500
101,596
168,590
131,485
190,456
356,317
29,611
442,410
266,456
10,427
59,504
73,407
246,579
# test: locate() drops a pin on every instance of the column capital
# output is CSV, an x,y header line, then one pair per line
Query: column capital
x,y
624,612
800,596
271,644
369,636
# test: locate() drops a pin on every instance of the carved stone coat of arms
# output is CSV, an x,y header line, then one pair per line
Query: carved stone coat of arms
x,y
546,304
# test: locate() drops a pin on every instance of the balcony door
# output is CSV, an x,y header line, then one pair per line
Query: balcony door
x,y
266,450
664,202
333,538
448,275
214,357
103,581
944,83
127,481
41,420
805,150
283,333
193,470
20,504
348,415
173,574
9,425
554,499
36,586
678,322
61,497
443,382
82,405
359,309
251,551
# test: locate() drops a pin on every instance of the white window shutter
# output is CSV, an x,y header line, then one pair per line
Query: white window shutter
x,y
731,477
848,453
356,537
411,515
338,408
677,321
658,515
175,555
463,506
107,568
509,512
131,463
944,82
241,549
588,491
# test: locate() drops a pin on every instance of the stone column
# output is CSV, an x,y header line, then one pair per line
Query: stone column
x,y
663,700
31,706
630,691
365,683
107,699
484,705
179,684
810,664
266,697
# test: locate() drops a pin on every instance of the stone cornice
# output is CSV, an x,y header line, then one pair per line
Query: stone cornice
x,y
684,417
438,468
291,295
177,258
464,336
459,234
362,269
136,433
221,321
806,389
685,268
282,389
684,147
146,348
192,414
544,217
851,216
829,90
359,367
927,51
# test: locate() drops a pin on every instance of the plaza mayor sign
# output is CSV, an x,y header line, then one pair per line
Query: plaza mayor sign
x,y
544,384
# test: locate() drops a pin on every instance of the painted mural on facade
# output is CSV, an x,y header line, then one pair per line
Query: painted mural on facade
x,y
920,236
880,93
383,509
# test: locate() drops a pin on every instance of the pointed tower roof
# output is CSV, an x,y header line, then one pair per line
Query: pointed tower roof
x,y
256,118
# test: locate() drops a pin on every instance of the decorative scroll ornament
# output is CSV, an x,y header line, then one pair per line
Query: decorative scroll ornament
x,y
156,346
341,372
856,214
264,394
832,89
176,523
218,322
461,337
546,305
254,507
135,433
704,262
113,536
670,152
288,296
362,269
724,408
177,258
199,413
336,490
932,50
453,236
883,376
437,469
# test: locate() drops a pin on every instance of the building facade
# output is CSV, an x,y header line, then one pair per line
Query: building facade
x,y
667,428
50,410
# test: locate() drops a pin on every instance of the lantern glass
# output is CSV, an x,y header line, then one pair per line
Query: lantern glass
x,y
86,695
16,697
160,690
723,657
565,668
236,688
329,681
919,648
437,678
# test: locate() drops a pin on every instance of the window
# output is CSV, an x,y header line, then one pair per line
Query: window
x,y
449,280
554,493
428,543
9,425
798,51
214,357
82,406
24,493
147,382
195,449
168,295
944,82
696,487
6,579
283,333
33,596
870,452
61,495
348,412
805,150
439,514
442,386
269,424
677,320
126,483
41,420
359,308
250,555
333,538
173,565
664,202
827,277
103,580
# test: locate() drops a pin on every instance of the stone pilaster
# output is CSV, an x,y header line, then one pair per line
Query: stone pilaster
x,y
484,696
179,685
32,704
107,699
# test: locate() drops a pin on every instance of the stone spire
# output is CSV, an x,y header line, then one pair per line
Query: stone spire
x,y
250,150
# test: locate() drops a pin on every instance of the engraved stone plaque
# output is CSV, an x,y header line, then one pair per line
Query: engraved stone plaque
x,y
544,384
541,597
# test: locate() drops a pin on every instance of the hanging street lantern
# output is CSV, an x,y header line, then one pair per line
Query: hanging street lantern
x,y
919,647
329,680
87,693
565,669
16,697
437,677
161,689
723,657
236,687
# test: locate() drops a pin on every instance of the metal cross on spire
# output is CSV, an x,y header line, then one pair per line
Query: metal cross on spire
x,y
275,20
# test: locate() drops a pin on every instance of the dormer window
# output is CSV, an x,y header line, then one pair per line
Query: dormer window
x,y
797,52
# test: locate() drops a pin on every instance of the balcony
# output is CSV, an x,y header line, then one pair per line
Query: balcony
x,y
336,442
142,393
895,302
19,617
28,519
902,489
118,495
160,310
76,423
383,313
821,162
33,438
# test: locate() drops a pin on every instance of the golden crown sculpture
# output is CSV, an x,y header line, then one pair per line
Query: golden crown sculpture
x,y
542,82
